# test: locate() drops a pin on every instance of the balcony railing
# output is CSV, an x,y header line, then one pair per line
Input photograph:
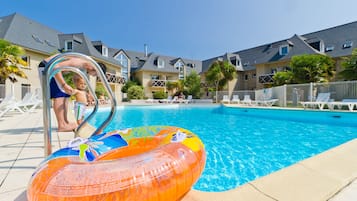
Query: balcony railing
x,y
112,78
267,78
160,83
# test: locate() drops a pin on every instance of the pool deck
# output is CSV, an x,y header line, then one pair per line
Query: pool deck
x,y
327,176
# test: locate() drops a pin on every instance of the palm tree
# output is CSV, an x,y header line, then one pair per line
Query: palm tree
x,y
349,65
219,73
11,61
312,68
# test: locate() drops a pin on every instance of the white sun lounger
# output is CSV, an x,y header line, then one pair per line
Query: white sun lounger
x,y
235,99
321,100
350,103
225,99
268,103
247,100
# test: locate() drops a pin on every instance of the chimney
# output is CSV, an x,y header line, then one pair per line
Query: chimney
x,y
146,50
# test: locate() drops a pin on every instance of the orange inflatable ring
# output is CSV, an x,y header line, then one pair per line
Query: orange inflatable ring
x,y
144,163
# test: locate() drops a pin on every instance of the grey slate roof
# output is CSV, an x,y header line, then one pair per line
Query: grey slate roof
x,y
82,44
25,32
335,36
33,35
148,63
30,34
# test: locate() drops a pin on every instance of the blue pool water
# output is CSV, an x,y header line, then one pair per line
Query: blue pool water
x,y
245,144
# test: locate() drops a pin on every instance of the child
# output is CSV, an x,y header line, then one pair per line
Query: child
x,y
81,98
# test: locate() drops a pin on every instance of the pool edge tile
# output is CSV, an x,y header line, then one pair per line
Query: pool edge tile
x,y
246,192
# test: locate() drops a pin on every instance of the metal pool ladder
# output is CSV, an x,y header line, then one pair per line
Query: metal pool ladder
x,y
49,72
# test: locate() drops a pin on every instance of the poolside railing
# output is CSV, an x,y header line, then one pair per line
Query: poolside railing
x,y
290,95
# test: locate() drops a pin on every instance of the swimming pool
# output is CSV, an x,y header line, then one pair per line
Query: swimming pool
x,y
243,144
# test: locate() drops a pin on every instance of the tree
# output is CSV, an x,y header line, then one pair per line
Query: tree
x,y
11,61
171,86
193,84
219,73
283,77
312,68
349,66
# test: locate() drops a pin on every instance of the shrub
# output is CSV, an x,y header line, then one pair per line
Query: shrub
x,y
135,92
100,90
159,95
127,85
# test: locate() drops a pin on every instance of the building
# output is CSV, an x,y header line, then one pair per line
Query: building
x,y
154,71
40,41
256,66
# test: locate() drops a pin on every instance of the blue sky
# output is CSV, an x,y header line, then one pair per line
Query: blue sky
x,y
195,29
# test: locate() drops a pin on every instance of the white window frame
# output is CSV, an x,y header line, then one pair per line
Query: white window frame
x,y
121,57
160,63
104,51
347,44
281,50
329,48
66,45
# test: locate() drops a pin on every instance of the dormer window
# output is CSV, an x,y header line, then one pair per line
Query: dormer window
x,y
234,61
68,45
37,39
347,44
105,51
160,63
178,65
49,43
123,60
191,65
284,50
329,48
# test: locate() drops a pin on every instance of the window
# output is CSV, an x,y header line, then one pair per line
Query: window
x,y
160,63
347,44
68,45
25,88
155,77
191,65
246,77
180,66
234,61
284,50
37,39
254,75
49,43
123,60
105,51
316,45
27,60
329,48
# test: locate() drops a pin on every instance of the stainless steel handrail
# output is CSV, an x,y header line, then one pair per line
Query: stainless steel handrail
x,y
49,72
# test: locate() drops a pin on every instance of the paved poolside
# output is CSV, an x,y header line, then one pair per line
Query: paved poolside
x,y
327,176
